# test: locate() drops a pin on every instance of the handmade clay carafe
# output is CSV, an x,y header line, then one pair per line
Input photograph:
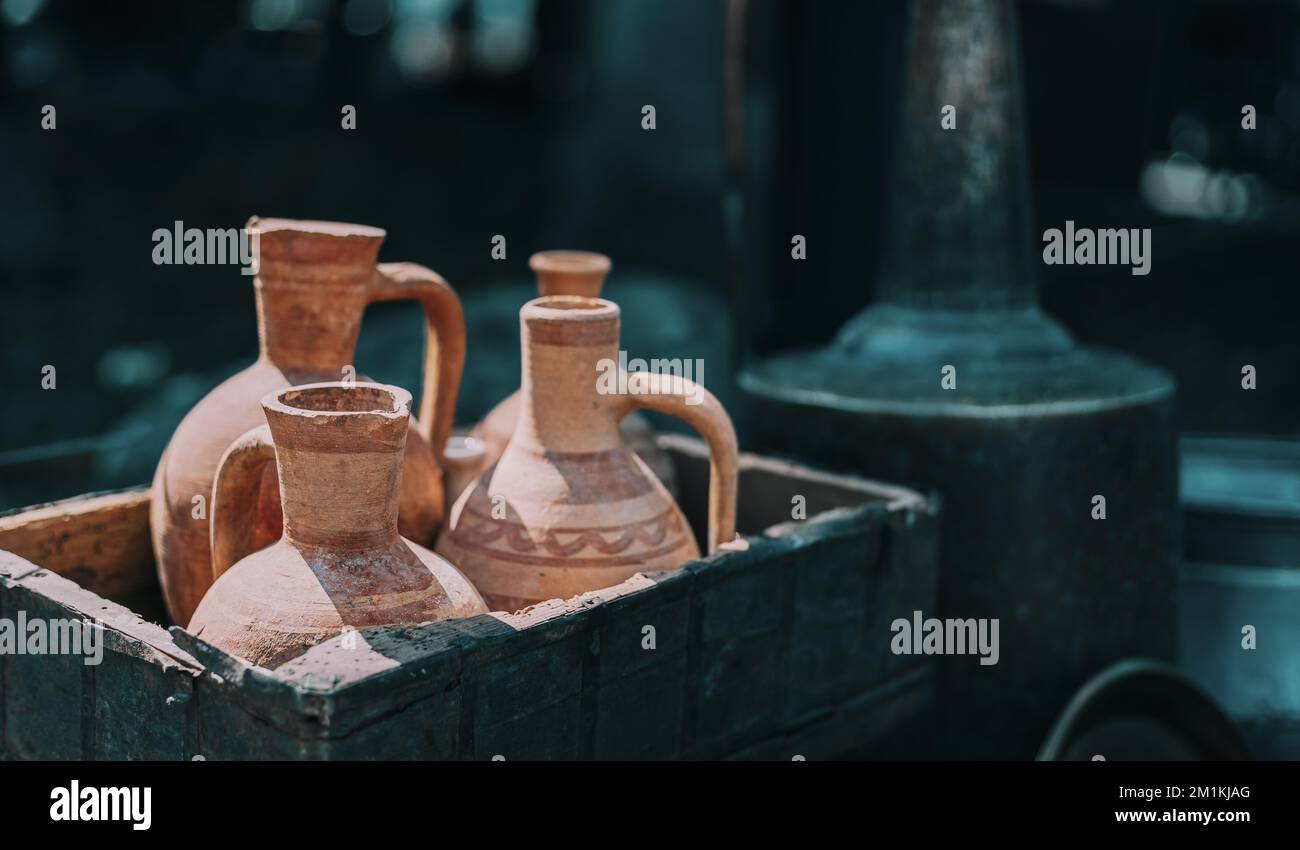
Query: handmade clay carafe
x,y
313,283
570,273
340,561
569,507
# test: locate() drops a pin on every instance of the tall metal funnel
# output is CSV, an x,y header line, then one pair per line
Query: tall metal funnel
x,y
1028,426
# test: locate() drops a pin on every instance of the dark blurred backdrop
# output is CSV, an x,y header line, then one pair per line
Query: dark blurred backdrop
x,y
522,118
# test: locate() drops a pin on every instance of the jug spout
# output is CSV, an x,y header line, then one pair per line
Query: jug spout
x,y
313,283
339,454
570,272
569,343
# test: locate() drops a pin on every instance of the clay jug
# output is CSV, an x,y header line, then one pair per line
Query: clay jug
x,y
313,283
464,463
340,561
570,273
569,507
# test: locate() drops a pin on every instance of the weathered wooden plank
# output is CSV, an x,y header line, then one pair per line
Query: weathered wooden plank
x,y
737,691
372,676
234,726
141,713
130,703
906,580
242,711
515,685
45,695
100,542
548,733
742,594
831,653
639,716
12,568
150,641
523,680
643,629
427,730
861,727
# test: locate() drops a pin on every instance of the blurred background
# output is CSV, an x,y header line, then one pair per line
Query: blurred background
x,y
523,118
474,119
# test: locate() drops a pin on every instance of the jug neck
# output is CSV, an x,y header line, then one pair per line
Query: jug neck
x,y
314,279
568,344
308,327
339,450
570,272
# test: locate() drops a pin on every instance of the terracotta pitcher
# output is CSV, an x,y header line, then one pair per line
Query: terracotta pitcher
x,y
569,507
340,561
570,273
313,283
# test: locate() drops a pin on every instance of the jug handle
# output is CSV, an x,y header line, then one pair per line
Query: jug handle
x,y
239,474
444,344
697,407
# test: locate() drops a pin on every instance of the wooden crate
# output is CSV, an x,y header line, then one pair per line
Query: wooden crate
x,y
777,649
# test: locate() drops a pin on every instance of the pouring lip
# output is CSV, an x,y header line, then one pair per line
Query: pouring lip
x,y
569,308
343,229
383,401
566,261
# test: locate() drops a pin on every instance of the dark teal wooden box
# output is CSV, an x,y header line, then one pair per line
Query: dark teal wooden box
x,y
777,649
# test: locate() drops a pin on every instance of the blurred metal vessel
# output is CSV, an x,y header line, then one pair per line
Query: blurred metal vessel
x,y
1033,427
1241,509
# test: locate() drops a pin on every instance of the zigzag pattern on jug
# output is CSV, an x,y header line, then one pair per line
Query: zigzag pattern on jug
x,y
483,530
